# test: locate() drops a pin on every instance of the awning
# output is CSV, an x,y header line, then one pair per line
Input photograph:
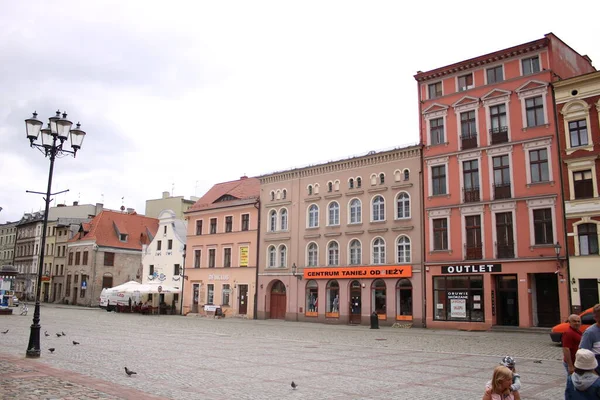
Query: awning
x,y
151,288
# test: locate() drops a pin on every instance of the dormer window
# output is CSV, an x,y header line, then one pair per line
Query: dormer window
x,y
465,82
123,237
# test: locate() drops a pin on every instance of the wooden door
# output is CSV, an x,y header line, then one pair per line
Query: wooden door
x,y
355,303
243,299
548,311
278,301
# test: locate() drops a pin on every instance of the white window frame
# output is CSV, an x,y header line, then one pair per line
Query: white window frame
x,y
537,204
469,212
397,242
433,112
504,207
538,145
493,98
501,151
435,162
308,225
373,251
273,219
282,250
373,209
485,70
316,264
439,214
337,256
525,94
469,156
458,76
283,212
434,83
472,104
272,264
350,251
575,234
359,221
396,200
333,222
528,57
576,110
579,165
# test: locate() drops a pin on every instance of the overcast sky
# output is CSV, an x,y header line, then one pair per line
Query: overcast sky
x,y
176,96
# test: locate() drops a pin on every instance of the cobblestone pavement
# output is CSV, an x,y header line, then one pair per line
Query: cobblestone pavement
x,y
204,358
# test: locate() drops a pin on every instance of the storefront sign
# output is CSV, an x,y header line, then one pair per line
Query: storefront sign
x,y
244,256
471,269
214,277
458,308
383,271
457,295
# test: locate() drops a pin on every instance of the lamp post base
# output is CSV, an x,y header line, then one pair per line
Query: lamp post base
x,y
33,348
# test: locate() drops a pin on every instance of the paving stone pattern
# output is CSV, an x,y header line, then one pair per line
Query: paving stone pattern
x,y
204,358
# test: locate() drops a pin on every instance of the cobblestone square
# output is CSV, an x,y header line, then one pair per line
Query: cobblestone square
x,y
204,358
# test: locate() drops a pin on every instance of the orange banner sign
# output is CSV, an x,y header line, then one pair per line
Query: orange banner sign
x,y
380,271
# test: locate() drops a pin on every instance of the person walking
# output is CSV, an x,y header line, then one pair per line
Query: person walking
x,y
584,384
590,340
570,343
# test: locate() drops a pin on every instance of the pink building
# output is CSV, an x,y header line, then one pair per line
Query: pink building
x,y
342,240
494,232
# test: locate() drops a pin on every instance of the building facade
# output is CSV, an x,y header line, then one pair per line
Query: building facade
x,y
178,204
342,240
27,251
222,243
8,236
578,111
490,159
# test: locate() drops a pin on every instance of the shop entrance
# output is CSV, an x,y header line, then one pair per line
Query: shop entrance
x,y
507,300
548,311
355,302
278,300
243,299
588,293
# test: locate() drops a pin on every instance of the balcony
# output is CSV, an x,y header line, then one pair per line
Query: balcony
x,y
499,134
471,195
505,250
469,141
502,191
473,252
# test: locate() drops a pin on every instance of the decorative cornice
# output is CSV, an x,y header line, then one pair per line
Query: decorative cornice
x,y
378,189
333,196
312,236
333,234
378,230
403,228
402,186
353,193
349,233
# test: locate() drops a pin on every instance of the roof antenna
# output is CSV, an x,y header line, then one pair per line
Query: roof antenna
x,y
172,189
122,203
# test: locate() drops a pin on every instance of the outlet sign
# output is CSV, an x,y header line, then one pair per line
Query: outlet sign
x,y
471,268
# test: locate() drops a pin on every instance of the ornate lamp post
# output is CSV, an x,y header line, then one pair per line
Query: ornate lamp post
x,y
53,139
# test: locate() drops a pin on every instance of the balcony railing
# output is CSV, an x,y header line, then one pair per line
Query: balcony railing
x,y
469,141
502,191
473,252
505,250
471,195
499,134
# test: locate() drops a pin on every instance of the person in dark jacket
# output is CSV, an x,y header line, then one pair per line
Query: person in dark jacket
x,y
583,384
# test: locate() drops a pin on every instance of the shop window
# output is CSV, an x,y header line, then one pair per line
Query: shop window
x,y
226,295
333,299
378,298
210,294
404,300
312,299
458,298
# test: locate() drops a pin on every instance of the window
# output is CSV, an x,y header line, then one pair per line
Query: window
x,y
284,194
378,208
210,293
436,131
225,294
109,259
85,258
176,269
123,237
228,224
199,227
158,245
404,298
403,206
211,258
468,127
213,226
355,252
170,244
78,258
272,221
378,297
403,249
381,179
438,179
542,223
588,239
505,245
333,253
494,74
272,195
538,163
165,230
358,182
329,186
107,281
534,107
312,301
313,255
284,220
310,190
282,256
333,214
351,183
471,181
434,90
197,258
379,251
227,257
355,211
465,82
474,248
75,278
440,234
68,287
71,258
333,298
578,133
530,65
583,184
272,257
458,298
313,216
501,177
406,174
245,222
499,126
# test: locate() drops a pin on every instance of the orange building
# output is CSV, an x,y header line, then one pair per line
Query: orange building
x,y
494,231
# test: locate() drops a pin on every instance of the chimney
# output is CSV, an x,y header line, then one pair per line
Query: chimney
x,y
165,195
61,205
99,208
130,211
75,203
243,177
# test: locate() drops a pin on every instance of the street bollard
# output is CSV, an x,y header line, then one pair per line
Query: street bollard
x,y
374,321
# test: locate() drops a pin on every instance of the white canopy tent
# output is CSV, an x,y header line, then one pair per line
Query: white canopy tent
x,y
150,288
122,288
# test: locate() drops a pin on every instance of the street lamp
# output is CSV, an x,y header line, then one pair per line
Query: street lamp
x,y
295,272
53,139
557,248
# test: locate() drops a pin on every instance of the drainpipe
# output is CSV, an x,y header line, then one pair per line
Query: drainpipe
x,y
183,278
423,216
257,206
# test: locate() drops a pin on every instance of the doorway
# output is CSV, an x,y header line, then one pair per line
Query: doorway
x,y
355,302
243,299
546,293
46,291
507,300
278,300
74,302
588,293
195,298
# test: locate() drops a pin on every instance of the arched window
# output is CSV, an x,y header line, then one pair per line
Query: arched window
x,y
282,256
333,298
378,208
379,251
313,216
404,300
310,190
588,239
351,183
272,196
283,220
381,178
272,221
313,255
406,174
355,252
378,298
333,253
272,257
284,194
312,299
403,205
358,182
329,186
355,211
333,213
403,249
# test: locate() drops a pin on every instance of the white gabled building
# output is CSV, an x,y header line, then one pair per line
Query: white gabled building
x,y
163,258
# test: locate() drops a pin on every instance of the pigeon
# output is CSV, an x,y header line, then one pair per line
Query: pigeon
x,y
75,343
58,335
64,334
51,349
129,372
46,333
6,331
537,361
294,386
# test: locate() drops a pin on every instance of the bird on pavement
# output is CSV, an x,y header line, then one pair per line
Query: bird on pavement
x,y
75,343
58,335
46,333
64,334
294,386
51,349
6,331
537,361
130,372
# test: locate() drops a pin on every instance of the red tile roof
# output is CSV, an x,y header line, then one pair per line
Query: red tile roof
x,y
102,230
241,189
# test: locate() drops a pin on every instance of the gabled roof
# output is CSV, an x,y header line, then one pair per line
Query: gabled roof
x,y
101,229
531,85
465,100
495,93
228,193
435,107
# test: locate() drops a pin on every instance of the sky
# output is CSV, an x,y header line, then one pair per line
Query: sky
x,y
177,96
